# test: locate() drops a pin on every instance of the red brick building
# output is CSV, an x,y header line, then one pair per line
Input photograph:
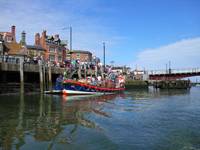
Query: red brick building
x,y
10,46
9,36
82,56
54,46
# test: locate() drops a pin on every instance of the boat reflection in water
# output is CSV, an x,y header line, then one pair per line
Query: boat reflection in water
x,y
54,119
64,115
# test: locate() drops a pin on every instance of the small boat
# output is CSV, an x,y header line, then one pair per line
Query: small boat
x,y
71,87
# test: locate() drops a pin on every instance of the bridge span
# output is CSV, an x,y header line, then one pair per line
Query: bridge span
x,y
173,74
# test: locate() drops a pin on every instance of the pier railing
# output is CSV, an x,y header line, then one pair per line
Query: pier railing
x,y
9,66
9,59
174,71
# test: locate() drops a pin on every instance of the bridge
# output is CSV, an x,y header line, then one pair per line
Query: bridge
x,y
173,74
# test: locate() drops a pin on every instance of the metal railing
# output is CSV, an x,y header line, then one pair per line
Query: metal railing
x,y
9,59
174,71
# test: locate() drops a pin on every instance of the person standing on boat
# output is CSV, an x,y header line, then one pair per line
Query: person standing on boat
x,y
99,79
121,80
93,81
65,75
59,82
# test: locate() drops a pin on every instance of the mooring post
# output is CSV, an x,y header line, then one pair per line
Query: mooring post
x,y
85,71
21,70
44,75
79,71
50,80
96,70
41,76
46,78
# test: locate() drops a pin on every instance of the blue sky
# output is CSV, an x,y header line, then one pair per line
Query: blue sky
x,y
142,33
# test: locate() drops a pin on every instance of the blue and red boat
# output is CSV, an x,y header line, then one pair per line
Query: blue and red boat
x,y
72,87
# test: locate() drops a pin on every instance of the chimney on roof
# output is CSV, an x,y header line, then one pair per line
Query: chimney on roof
x,y
13,30
37,39
43,38
44,33
23,38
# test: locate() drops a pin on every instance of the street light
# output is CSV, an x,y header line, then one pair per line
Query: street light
x,y
170,67
104,58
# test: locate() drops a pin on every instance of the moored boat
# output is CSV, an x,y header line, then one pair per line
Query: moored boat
x,y
71,87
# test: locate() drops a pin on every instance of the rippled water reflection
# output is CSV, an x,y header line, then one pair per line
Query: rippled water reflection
x,y
145,119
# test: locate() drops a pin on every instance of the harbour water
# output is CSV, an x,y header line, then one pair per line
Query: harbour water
x,y
144,119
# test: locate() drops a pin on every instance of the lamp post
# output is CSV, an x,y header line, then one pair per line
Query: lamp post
x,y
70,31
104,57
170,67
70,38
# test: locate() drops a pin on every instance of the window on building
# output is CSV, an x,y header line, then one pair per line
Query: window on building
x,y
59,58
9,39
59,49
52,49
52,58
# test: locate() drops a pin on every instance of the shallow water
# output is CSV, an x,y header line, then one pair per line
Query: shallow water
x,y
144,119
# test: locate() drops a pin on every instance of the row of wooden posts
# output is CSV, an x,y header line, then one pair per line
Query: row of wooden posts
x,y
45,76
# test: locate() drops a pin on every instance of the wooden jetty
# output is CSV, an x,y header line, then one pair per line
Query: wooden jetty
x,y
42,74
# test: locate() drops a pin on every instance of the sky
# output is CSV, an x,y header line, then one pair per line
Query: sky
x,y
138,33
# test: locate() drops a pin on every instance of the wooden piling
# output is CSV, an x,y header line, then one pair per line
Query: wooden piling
x,y
44,76
85,71
41,76
21,70
96,70
79,71
49,77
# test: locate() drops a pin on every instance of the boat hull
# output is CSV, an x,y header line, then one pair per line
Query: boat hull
x,y
72,92
71,87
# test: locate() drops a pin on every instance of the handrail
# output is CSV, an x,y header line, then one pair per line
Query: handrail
x,y
174,71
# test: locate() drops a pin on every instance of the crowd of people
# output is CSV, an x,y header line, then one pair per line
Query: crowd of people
x,y
107,79
112,80
116,81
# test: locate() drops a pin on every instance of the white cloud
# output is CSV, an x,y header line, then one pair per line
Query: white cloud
x,y
182,54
